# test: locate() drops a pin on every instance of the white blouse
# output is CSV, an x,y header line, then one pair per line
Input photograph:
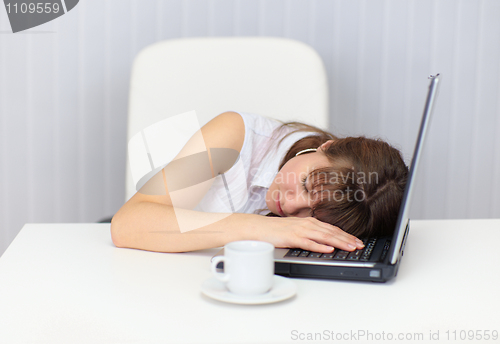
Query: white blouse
x,y
248,180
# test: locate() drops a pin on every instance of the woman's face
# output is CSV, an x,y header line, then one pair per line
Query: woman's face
x,y
290,193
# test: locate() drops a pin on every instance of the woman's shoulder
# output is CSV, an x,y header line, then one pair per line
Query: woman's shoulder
x,y
226,130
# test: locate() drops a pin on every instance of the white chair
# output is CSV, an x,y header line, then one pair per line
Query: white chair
x,y
274,77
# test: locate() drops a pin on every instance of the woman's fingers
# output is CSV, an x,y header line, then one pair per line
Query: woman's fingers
x,y
333,240
308,234
336,237
313,246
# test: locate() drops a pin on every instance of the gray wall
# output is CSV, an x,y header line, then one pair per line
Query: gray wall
x,y
64,85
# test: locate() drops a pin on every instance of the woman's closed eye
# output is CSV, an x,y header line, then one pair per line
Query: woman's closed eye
x,y
304,185
312,193
303,181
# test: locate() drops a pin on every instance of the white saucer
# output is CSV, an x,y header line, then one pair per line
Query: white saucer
x,y
283,289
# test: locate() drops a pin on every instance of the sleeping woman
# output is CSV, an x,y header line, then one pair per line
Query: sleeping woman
x,y
292,185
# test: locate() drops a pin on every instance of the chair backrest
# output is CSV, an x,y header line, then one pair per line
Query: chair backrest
x,y
275,77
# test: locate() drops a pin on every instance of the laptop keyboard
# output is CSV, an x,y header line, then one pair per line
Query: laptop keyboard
x,y
362,255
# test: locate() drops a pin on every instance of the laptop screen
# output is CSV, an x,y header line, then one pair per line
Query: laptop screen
x,y
403,219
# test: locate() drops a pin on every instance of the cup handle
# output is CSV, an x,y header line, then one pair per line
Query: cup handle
x,y
224,277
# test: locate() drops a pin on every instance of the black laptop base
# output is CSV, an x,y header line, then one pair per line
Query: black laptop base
x,y
378,273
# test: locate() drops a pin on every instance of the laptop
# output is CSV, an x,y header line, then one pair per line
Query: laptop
x,y
379,260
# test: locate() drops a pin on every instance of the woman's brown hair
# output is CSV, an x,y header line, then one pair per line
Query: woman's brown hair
x,y
362,190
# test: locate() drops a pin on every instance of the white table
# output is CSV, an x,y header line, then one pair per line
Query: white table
x,y
67,283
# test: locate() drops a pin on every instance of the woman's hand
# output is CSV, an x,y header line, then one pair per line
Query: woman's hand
x,y
306,233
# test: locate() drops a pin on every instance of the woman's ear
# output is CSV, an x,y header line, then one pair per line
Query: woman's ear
x,y
325,145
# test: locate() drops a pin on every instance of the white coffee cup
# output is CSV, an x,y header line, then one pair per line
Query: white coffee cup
x,y
248,267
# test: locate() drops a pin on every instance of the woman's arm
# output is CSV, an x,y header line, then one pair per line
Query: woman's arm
x,y
153,226
150,222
